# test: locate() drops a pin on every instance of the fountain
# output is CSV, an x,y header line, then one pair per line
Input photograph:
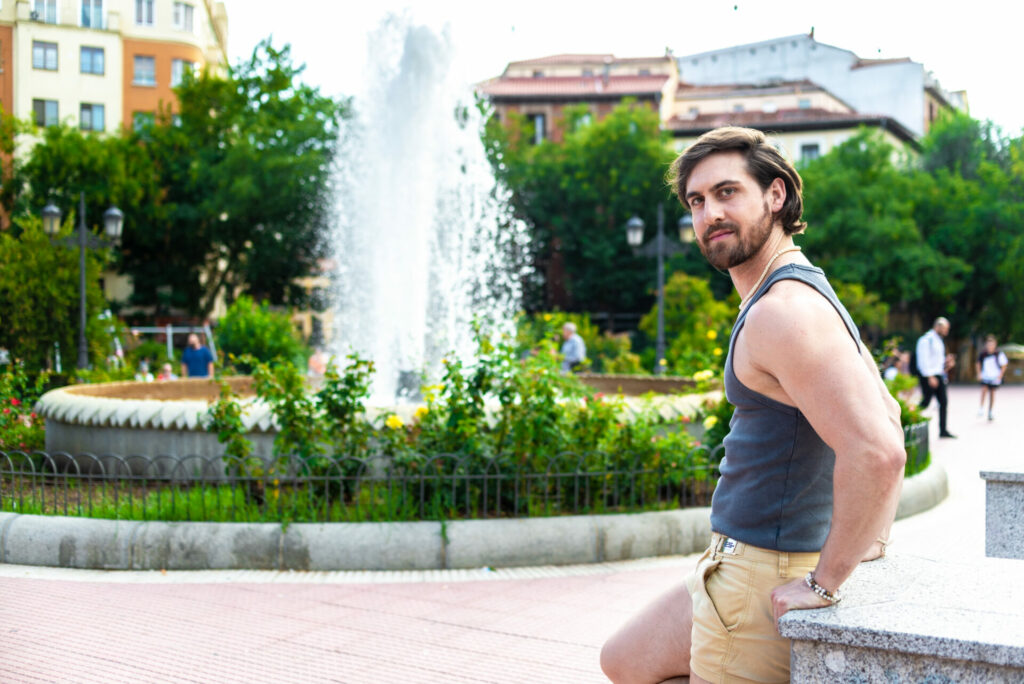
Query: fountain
x,y
425,237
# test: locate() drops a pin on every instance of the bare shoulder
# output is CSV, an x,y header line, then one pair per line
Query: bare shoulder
x,y
793,316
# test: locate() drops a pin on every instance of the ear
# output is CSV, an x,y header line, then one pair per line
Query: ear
x,y
776,195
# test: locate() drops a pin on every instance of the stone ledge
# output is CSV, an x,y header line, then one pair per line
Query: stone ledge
x,y
1004,514
904,613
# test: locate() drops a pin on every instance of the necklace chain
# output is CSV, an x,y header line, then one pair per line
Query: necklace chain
x,y
771,261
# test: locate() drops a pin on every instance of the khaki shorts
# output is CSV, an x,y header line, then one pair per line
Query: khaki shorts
x,y
734,636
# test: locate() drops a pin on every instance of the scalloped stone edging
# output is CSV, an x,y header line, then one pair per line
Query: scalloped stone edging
x,y
69,542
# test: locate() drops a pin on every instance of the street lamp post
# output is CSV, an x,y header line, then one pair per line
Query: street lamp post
x,y
659,248
113,222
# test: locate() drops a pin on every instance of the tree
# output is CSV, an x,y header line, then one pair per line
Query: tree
x,y
577,196
244,167
860,210
39,295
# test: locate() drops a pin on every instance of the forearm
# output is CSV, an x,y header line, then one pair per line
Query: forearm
x,y
865,498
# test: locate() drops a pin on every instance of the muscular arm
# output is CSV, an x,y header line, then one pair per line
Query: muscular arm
x,y
798,349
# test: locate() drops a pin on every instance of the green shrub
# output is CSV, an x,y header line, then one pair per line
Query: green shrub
x,y
20,428
250,330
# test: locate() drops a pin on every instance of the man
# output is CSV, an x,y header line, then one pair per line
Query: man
x,y
196,360
574,351
814,458
932,366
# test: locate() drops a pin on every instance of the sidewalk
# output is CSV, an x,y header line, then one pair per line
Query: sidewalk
x,y
527,625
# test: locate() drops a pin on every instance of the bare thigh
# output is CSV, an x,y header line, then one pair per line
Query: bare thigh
x,y
654,646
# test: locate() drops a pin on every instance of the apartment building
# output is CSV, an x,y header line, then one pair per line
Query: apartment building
x,y
540,89
101,64
801,118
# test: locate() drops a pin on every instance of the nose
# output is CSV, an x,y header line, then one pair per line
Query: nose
x,y
713,211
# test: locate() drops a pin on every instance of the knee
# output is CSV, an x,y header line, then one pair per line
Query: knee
x,y
615,662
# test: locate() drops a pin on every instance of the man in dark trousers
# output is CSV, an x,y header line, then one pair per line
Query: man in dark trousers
x,y
932,364
814,457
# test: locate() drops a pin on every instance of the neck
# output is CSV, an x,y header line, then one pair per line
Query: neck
x,y
777,251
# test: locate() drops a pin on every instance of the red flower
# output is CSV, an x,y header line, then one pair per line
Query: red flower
x,y
6,411
15,402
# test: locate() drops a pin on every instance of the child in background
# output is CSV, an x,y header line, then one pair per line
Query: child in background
x,y
991,366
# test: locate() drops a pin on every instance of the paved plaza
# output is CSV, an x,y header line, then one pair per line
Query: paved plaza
x,y
522,625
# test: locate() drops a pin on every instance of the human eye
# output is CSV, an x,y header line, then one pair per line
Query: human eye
x,y
696,201
727,191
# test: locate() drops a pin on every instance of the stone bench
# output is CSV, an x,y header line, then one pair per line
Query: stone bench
x,y
1004,515
910,619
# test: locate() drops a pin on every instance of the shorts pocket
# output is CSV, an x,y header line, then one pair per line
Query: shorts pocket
x,y
726,586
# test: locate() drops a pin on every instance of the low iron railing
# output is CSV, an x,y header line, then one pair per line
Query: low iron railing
x,y
322,489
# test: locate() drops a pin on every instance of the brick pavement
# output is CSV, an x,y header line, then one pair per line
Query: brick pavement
x,y
528,625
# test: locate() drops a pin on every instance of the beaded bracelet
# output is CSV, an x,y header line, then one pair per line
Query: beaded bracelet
x,y
821,591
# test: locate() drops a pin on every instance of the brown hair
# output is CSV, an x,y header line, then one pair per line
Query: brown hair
x,y
764,163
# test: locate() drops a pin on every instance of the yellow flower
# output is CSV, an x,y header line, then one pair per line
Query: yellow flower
x,y
710,422
421,411
662,362
394,422
712,335
703,375
547,317
717,351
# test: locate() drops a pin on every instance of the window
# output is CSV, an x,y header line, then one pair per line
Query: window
x,y
45,112
45,10
178,69
644,72
804,103
144,12
737,108
538,74
809,151
183,16
694,112
142,120
538,128
90,117
145,71
44,55
92,60
588,72
92,14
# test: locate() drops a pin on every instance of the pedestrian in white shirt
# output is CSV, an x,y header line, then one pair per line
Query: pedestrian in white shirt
x,y
932,366
991,366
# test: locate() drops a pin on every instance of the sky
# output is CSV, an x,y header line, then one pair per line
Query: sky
x,y
973,47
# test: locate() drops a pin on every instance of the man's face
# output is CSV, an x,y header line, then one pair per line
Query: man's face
x,y
732,216
942,329
193,341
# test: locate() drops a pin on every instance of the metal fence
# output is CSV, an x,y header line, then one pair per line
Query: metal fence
x,y
322,489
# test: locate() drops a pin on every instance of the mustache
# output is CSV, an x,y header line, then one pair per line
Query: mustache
x,y
719,228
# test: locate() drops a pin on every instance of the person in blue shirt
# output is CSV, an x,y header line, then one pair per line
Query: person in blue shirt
x,y
196,360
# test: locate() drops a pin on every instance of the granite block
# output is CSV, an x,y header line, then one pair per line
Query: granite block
x,y
1004,514
821,662
918,607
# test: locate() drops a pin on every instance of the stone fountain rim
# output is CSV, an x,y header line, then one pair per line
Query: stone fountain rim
x,y
72,406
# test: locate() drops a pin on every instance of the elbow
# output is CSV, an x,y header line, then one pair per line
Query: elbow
x,y
892,461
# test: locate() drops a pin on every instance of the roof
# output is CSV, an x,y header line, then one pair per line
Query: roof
x,y
686,90
597,58
574,86
785,120
861,63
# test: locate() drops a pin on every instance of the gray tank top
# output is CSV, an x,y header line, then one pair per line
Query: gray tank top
x,y
776,486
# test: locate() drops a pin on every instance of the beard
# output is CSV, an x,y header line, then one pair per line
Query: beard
x,y
750,241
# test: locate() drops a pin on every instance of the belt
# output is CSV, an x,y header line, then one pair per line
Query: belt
x,y
727,546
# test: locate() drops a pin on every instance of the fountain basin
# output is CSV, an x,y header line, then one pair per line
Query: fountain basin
x,y
161,420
